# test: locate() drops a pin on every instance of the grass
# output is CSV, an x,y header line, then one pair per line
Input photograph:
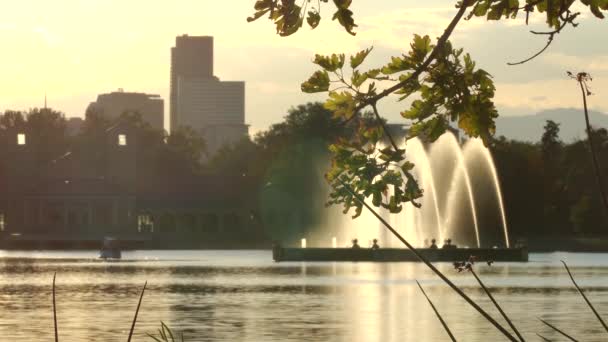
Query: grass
x,y
165,334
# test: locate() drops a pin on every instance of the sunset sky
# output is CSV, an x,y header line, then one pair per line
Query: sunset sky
x,y
76,49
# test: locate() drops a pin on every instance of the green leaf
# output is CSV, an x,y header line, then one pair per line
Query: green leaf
x,y
318,82
357,59
407,167
313,18
341,103
422,44
330,63
397,64
345,16
419,110
430,129
358,79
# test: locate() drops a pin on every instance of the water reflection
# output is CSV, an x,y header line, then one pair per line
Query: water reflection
x,y
243,296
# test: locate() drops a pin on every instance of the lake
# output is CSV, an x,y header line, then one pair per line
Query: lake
x,y
245,296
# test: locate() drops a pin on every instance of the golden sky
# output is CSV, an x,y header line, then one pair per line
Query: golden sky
x,y
76,49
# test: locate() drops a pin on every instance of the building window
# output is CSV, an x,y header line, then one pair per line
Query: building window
x,y
122,140
2,223
145,223
21,139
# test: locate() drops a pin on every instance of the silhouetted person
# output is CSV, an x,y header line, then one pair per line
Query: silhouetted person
x,y
433,244
448,244
356,244
375,244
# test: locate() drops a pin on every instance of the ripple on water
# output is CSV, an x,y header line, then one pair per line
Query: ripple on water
x,y
244,296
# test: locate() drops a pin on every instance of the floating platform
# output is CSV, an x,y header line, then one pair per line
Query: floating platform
x,y
519,254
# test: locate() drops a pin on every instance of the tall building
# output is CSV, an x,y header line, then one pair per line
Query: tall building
x,y
214,108
113,105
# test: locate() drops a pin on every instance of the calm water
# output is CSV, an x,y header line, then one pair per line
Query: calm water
x,y
244,296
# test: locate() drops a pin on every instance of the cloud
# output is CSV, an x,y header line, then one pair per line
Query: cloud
x,y
591,64
546,94
538,98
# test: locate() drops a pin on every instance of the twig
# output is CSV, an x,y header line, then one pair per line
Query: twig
x,y
388,134
432,267
549,41
55,310
483,286
585,298
141,296
568,19
559,331
445,326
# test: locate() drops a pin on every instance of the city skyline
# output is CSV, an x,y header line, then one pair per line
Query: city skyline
x,y
134,54
200,99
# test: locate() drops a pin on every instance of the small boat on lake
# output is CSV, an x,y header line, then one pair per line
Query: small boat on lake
x,y
110,249
518,254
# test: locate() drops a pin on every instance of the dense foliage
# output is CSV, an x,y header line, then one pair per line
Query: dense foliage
x,y
548,186
159,155
442,80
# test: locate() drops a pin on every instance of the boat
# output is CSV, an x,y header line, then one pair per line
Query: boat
x,y
517,254
110,249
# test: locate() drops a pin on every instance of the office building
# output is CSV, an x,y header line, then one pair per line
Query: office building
x,y
113,105
214,108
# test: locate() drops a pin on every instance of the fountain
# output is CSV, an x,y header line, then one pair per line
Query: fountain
x,y
462,201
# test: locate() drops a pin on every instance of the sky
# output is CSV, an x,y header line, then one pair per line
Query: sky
x,y
74,50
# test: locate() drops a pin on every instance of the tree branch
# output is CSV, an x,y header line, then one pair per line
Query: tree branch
x,y
440,43
384,128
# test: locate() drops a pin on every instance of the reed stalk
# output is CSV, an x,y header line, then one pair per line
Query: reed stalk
x,y
597,315
445,326
544,338
559,331
483,286
55,310
141,296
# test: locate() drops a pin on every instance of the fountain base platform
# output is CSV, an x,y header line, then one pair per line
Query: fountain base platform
x,y
519,254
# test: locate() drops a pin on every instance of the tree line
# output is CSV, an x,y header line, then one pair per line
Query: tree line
x,y
548,186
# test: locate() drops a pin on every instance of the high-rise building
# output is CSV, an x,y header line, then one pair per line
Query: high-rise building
x,y
214,108
113,105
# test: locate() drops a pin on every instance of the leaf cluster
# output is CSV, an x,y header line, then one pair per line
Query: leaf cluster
x,y
449,89
553,10
289,15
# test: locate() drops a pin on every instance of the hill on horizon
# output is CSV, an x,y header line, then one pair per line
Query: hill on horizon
x,y
530,127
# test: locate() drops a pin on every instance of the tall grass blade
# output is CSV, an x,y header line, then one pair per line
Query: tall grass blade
x,y
432,267
55,310
165,334
544,338
141,296
559,331
585,298
154,337
483,286
445,326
